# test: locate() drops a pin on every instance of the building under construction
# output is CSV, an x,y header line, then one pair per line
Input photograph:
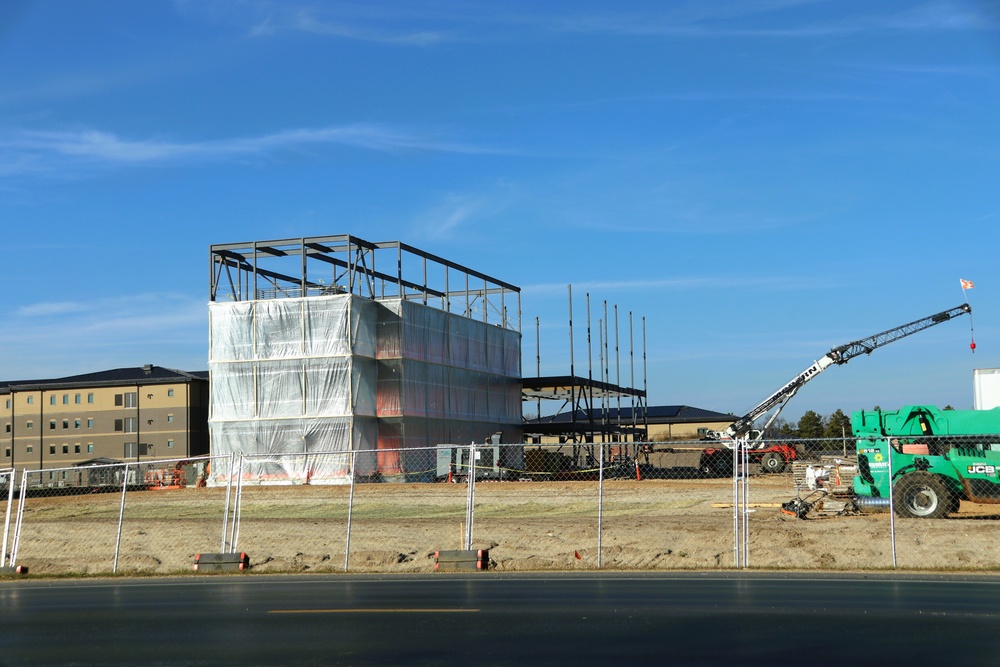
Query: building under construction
x,y
336,344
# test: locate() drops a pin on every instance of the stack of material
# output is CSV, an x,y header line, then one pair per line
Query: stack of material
x,y
828,483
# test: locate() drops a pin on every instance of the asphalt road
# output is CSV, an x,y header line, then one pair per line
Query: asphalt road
x,y
497,619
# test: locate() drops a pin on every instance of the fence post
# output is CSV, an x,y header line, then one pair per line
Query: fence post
x,y
20,517
350,510
600,505
225,515
237,505
471,499
892,507
6,521
121,518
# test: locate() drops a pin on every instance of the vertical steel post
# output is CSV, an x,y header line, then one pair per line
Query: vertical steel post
x,y
745,476
600,508
20,517
6,521
736,506
237,505
471,496
350,510
225,514
892,504
121,516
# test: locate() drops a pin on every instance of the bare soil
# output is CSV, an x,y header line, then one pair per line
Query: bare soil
x,y
653,524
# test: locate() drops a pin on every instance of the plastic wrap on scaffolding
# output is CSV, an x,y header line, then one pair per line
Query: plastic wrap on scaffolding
x,y
295,451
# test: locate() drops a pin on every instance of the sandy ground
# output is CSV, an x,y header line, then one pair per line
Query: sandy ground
x,y
631,525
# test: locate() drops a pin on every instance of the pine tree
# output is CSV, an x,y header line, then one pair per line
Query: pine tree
x,y
837,425
811,425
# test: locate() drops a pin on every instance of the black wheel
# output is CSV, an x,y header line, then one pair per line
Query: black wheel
x,y
716,465
772,462
922,495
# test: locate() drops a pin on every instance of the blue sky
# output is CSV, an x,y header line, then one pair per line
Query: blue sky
x,y
755,180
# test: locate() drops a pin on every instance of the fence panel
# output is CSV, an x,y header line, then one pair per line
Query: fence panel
x,y
570,506
537,508
661,511
294,521
397,524
69,519
171,513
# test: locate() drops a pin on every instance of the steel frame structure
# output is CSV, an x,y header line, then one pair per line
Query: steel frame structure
x,y
345,264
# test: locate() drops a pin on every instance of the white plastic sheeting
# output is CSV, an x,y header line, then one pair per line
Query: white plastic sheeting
x,y
339,373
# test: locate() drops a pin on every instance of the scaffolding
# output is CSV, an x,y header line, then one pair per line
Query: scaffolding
x,y
315,350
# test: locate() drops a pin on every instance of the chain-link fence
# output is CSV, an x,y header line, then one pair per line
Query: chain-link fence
x,y
796,504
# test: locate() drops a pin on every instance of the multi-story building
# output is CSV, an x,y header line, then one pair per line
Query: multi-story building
x,y
126,414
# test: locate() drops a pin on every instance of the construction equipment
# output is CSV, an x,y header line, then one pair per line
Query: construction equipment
x,y
922,461
774,458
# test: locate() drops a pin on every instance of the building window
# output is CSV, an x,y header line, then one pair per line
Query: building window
x,y
170,392
90,398
118,399
76,449
65,449
119,425
7,428
76,399
8,452
29,449
52,399
31,399
52,449
131,399
76,423
90,423
170,443
131,449
8,404
29,425
170,418
129,424
52,425
65,399
90,448
65,423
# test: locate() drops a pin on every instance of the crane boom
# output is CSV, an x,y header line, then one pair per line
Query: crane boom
x,y
838,355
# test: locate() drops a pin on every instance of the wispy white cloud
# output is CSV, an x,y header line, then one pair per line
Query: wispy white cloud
x,y
456,211
32,151
87,335
450,215
430,23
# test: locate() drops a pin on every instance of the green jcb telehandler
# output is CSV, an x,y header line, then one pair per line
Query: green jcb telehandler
x,y
937,458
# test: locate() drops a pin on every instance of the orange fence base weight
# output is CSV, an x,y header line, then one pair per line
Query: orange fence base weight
x,y
462,560
222,562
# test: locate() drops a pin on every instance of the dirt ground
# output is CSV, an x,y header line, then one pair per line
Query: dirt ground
x,y
653,524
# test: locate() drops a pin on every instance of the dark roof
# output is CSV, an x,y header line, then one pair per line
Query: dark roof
x,y
655,414
148,374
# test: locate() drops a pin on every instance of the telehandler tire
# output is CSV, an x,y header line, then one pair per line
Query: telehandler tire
x,y
921,495
772,462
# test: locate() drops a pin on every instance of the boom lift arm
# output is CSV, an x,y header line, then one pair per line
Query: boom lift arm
x,y
838,355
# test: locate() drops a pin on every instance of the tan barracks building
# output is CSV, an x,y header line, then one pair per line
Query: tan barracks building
x,y
125,414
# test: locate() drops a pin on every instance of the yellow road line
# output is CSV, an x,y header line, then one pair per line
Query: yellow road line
x,y
372,611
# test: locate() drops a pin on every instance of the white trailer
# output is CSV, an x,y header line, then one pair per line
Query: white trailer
x,y
986,386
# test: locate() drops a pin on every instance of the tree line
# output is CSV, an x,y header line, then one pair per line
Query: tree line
x,y
812,425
